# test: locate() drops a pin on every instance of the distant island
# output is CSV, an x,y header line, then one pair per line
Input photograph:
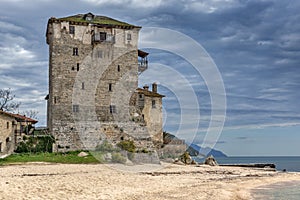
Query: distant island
x,y
192,148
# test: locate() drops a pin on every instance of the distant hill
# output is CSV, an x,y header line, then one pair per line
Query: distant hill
x,y
194,149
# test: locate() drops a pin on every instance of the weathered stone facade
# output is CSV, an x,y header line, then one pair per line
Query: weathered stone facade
x,y
7,136
93,80
12,129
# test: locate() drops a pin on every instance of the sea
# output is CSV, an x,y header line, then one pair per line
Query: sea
x,y
280,191
287,163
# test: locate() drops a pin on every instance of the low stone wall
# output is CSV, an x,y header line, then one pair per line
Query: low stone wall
x,y
146,158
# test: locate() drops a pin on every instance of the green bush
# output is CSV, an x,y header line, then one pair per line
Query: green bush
x,y
36,144
127,145
118,158
105,147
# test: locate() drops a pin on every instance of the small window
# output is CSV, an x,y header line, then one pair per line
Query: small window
x,y
82,85
141,96
102,36
75,108
112,109
77,66
75,51
55,100
100,54
128,36
110,87
73,68
7,125
72,29
153,104
119,68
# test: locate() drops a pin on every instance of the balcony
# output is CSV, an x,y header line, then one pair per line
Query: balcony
x,y
143,61
103,37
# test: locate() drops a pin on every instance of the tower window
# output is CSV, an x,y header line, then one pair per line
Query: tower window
x,y
82,85
99,54
77,66
73,68
102,36
72,29
75,108
75,51
7,125
112,109
110,87
128,36
119,68
153,104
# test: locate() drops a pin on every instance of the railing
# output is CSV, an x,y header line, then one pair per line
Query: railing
x,y
143,65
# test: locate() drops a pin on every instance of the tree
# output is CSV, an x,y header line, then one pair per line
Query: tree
x,y
31,114
7,102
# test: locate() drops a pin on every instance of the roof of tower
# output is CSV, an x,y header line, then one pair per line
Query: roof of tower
x,y
149,93
90,18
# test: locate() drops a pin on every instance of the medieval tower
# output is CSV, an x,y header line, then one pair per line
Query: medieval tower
x,y
94,63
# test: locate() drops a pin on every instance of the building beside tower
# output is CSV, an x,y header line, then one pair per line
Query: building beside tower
x,y
94,64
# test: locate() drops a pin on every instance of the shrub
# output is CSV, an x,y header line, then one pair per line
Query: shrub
x,y
36,144
127,145
105,147
118,158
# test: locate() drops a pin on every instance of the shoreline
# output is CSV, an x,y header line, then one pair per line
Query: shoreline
x,y
116,181
264,190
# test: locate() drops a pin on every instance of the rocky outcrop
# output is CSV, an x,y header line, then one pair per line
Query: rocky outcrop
x,y
211,161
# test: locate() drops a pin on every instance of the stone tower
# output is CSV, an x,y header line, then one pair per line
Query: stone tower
x,y
94,64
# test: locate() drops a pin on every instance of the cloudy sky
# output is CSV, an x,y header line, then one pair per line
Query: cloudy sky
x,y
255,45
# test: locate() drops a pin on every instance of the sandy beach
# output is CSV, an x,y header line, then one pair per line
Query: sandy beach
x,y
100,181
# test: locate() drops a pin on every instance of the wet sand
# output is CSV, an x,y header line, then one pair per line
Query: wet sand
x,y
169,181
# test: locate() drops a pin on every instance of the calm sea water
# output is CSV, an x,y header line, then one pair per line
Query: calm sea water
x,y
291,164
280,191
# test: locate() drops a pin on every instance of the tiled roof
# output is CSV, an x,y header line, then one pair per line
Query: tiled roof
x,y
94,19
149,93
18,117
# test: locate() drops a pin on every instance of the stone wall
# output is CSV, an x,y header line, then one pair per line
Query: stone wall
x,y
7,136
84,87
153,117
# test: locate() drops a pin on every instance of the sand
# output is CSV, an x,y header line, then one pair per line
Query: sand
x,y
169,181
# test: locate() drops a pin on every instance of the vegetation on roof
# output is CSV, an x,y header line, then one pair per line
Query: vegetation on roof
x,y
96,20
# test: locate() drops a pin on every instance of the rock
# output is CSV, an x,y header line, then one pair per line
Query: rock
x,y
82,154
211,161
179,163
186,158
194,162
107,157
176,160
169,160
129,162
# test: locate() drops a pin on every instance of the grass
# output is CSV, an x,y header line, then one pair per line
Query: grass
x,y
69,157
